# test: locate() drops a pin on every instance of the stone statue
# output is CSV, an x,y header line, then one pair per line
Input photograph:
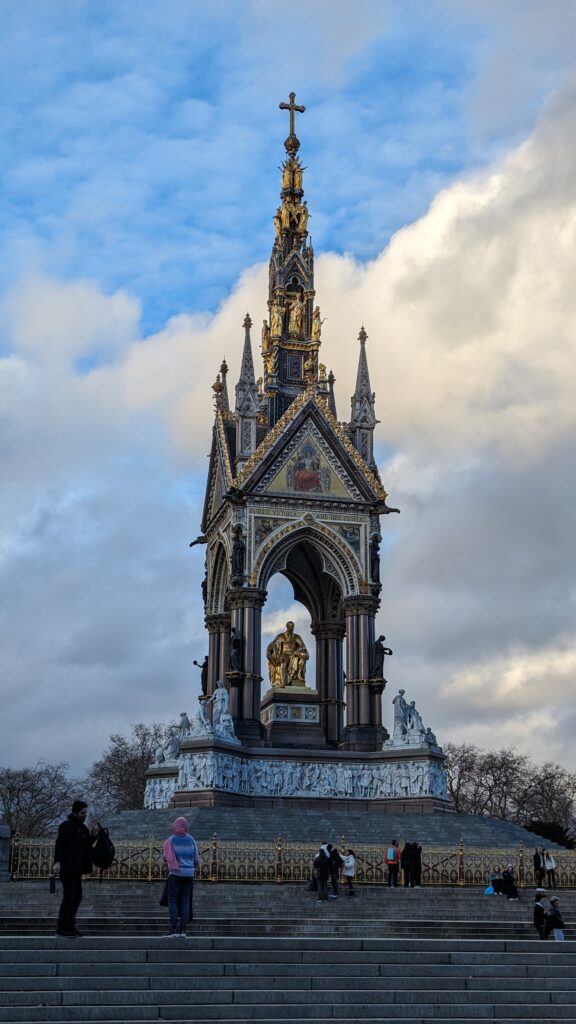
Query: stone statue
x,y
236,659
375,559
204,589
278,222
296,320
222,721
238,554
430,738
303,215
400,709
184,726
415,731
201,725
171,748
377,666
265,337
203,674
316,324
276,320
287,657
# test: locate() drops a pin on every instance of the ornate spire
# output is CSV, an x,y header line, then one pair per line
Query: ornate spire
x,y
247,401
224,402
363,419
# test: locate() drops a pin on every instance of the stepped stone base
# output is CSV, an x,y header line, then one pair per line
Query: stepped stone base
x,y
219,798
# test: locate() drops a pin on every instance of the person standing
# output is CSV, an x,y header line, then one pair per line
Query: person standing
x,y
540,916
407,858
336,863
72,859
322,867
539,869
554,921
550,866
349,871
182,859
393,863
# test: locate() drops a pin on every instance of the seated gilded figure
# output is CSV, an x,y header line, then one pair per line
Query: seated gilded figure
x,y
287,657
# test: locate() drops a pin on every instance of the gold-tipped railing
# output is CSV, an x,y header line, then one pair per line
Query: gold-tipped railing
x,y
222,860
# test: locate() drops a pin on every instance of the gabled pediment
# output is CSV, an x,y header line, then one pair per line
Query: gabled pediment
x,y
307,454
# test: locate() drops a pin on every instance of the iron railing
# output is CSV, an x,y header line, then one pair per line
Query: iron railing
x,y
281,861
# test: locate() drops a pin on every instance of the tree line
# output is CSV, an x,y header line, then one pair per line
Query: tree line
x,y
500,784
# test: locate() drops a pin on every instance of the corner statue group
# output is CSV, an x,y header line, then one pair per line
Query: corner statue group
x,y
287,657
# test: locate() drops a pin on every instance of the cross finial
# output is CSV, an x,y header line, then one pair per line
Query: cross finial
x,y
292,107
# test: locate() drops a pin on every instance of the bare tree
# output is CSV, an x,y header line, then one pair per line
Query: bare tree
x,y
116,782
508,785
34,800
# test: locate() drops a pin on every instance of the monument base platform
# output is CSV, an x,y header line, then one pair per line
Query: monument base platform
x,y
219,798
211,772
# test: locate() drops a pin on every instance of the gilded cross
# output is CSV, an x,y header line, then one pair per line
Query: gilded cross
x,y
292,107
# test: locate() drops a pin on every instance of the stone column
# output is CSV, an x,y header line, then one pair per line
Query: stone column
x,y
245,684
218,627
363,712
330,678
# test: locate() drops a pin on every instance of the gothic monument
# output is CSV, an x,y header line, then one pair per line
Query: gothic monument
x,y
292,490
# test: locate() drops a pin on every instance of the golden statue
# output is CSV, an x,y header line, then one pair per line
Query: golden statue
x,y
304,213
285,214
316,324
297,176
278,221
265,337
276,317
287,175
287,657
296,321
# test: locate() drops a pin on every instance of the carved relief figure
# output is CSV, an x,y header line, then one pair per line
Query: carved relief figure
x,y
287,657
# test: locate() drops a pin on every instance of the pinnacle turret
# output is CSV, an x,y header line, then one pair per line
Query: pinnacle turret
x,y
363,418
247,400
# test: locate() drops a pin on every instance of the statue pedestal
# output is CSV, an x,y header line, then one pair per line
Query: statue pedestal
x,y
292,716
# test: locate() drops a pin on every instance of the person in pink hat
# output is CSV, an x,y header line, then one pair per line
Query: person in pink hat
x,y
182,859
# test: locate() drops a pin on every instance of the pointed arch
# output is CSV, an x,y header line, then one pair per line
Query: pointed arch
x,y
336,559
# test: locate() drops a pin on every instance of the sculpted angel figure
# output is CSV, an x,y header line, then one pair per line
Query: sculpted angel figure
x,y
296,317
287,657
316,324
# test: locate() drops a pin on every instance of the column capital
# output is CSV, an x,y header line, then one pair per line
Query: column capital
x,y
361,604
246,597
328,630
217,623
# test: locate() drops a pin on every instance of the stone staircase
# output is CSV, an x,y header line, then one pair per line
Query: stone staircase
x,y
120,908
302,824
320,978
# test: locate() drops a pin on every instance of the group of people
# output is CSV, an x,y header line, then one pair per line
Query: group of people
x,y
408,860
548,921
503,883
544,864
328,863
76,849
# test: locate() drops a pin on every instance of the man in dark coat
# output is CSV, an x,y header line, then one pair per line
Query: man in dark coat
x,y
322,868
72,859
336,863
540,916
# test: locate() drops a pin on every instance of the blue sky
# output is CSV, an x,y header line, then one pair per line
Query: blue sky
x,y
139,155
140,140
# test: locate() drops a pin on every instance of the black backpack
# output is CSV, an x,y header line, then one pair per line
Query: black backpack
x,y
103,851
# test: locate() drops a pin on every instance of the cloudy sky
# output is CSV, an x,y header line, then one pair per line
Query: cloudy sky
x,y
139,153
